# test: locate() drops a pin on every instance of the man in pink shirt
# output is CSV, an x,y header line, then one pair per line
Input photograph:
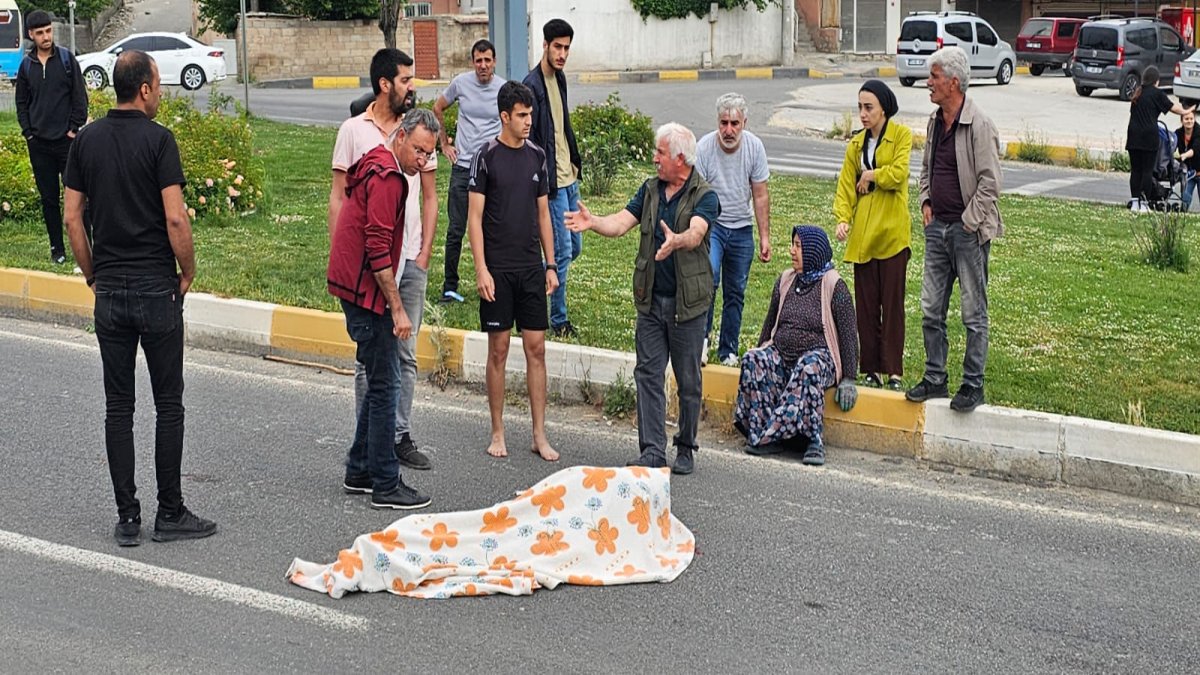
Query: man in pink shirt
x,y
391,80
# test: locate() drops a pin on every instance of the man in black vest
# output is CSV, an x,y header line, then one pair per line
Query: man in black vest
x,y
126,169
672,289
51,107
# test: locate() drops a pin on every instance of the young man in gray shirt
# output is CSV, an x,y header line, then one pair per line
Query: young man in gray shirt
x,y
478,123
734,163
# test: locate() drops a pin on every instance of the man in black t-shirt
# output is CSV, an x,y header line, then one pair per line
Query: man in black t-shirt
x,y
508,220
126,169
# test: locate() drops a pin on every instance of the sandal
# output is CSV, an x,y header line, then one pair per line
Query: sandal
x,y
895,384
872,380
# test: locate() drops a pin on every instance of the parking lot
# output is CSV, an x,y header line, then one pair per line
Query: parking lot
x,y
1046,106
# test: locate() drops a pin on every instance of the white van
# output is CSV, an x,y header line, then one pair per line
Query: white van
x,y
923,33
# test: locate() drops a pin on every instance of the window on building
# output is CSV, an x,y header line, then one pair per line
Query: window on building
x,y
418,9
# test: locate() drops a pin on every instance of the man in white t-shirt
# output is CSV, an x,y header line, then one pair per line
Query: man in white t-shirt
x,y
734,163
478,123
391,80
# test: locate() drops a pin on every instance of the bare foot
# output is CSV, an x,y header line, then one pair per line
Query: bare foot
x,y
497,448
546,452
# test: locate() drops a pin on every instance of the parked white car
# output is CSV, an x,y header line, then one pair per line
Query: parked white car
x,y
1187,80
923,33
181,60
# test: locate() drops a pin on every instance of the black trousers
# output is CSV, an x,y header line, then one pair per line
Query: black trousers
x,y
49,160
1141,174
456,210
148,310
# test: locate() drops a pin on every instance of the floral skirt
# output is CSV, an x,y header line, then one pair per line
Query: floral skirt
x,y
776,402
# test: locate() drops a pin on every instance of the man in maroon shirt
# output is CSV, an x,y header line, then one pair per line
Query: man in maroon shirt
x,y
369,235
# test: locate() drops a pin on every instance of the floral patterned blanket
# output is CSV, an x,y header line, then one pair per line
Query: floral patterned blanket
x,y
593,526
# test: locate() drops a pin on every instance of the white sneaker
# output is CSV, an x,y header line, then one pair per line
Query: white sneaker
x,y
732,361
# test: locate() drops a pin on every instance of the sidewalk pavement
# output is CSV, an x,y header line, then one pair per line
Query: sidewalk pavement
x,y
1036,447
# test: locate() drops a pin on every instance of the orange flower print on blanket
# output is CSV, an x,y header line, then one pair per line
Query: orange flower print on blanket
x,y
584,580
441,536
347,563
640,515
388,539
664,523
605,537
549,544
597,478
668,562
630,571
686,547
640,471
550,499
497,522
399,586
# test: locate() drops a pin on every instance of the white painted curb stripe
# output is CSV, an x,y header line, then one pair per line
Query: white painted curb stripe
x,y
191,584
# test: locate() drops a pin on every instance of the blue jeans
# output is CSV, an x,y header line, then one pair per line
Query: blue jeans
x,y
952,253
731,255
372,451
413,281
567,247
1190,184
149,310
659,337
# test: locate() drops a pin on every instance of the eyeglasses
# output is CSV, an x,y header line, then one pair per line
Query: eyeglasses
x,y
424,154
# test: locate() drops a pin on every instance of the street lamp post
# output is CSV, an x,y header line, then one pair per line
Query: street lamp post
x,y
245,62
71,18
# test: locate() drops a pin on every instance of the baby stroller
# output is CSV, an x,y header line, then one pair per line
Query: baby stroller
x,y
1170,174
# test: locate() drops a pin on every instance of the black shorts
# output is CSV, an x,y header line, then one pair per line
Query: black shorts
x,y
520,296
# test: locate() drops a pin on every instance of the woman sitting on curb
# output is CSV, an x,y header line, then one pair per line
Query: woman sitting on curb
x,y
809,343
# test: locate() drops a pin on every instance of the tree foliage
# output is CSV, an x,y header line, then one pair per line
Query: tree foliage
x,y
222,15
678,9
84,9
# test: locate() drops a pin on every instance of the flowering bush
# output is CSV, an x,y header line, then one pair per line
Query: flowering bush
x,y
628,133
224,177
18,194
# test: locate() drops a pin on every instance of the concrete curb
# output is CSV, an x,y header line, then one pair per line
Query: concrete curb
x,y
335,82
1025,445
763,73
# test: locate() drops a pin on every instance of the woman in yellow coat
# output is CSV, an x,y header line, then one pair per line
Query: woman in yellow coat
x,y
871,207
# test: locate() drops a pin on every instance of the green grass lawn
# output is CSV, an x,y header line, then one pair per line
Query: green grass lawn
x,y
1078,326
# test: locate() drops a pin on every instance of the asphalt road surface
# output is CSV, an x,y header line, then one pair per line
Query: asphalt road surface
x,y
868,565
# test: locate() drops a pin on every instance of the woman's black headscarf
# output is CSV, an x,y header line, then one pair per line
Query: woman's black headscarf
x,y
887,100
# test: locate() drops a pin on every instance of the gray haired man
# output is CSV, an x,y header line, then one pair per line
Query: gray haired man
x,y
960,185
672,289
734,163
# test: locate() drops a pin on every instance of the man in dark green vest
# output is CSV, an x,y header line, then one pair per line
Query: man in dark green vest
x,y
672,289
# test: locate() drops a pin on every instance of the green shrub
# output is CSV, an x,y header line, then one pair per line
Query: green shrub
x,y
1033,147
601,156
449,116
224,177
620,398
1159,240
678,9
1084,159
842,128
629,133
1119,161
18,193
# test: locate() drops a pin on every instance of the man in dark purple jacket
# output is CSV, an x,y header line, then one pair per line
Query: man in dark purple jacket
x,y
364,262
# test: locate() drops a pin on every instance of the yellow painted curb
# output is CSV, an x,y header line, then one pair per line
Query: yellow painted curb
x,y
599,78
880,421
311,332
887,71
427,350
343,82
1022,70
14,288
666,75
754,73
1059,154
719,394
823,75
48,292
418,82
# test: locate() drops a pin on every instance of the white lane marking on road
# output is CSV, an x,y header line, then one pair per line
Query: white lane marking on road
x,y
1050,185
202,587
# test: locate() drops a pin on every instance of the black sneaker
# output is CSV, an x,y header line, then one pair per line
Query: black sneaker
x,y
128,532
685,461
400,497
58,258
357,485
410,456
648,460
186,526
967,398
926,390
814,455
565,330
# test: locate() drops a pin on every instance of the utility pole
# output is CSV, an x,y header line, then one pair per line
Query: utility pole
x,y
245,62
71,18
507,29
